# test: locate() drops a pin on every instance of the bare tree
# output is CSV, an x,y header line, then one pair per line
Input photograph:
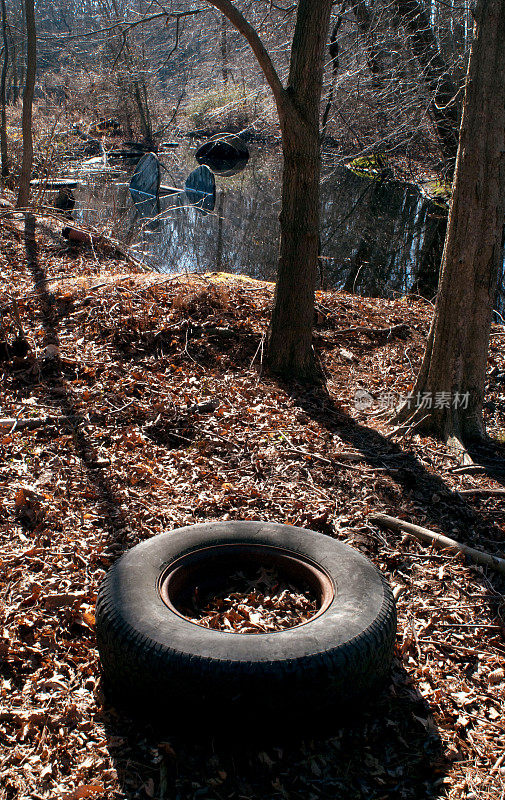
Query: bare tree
x,y
290,335
454,364
3,77
31,65
333,48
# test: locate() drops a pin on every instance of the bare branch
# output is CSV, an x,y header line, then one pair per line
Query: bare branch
x,y
123,27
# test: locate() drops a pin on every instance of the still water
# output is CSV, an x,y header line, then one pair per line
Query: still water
x,y
379,237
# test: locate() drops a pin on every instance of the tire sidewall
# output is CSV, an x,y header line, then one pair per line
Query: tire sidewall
x,y
361,597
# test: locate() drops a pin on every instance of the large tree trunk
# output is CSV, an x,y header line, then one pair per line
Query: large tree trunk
x,y
456,354
290,335
3,77
31,65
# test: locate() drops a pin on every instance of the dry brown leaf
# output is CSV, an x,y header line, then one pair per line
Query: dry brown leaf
x,y
83,791
496,676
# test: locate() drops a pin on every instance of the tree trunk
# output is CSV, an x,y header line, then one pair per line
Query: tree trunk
x,y
224,51
219,242
333,48
3,76
365,20
456,354
14,67
430,254
444,105
290,336
145,122
31,65
289,349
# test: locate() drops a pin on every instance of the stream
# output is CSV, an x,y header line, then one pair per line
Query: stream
x,y
378,236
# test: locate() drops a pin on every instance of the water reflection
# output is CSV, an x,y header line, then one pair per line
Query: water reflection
x,y
226,155
200,189
378,237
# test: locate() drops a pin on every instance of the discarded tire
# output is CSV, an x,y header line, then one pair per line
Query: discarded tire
x,y
156,658
225,154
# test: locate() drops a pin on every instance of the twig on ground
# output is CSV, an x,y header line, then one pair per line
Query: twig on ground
x,y
407,427
482,492
346,456
425,535
259,347
11,423
468,469
402,327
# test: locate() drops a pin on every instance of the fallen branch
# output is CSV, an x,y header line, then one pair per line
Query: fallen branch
x,y
85,237
12,423
481,492
392,330
401,328
425,535
468,469
342,455
103,243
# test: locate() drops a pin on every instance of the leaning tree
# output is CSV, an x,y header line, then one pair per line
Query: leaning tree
x,y
454,365
290,334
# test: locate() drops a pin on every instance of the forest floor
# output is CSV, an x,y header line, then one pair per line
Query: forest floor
x,y
149,412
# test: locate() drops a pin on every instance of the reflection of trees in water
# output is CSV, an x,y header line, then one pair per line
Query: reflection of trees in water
x,y
235,237
240,235
378,237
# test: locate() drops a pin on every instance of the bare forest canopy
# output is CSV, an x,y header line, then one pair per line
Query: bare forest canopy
x,y
393,73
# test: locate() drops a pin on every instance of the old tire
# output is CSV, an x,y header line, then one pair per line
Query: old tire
x,y
158,661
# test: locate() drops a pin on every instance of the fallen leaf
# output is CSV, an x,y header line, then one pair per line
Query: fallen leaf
x,y
86,790
496,676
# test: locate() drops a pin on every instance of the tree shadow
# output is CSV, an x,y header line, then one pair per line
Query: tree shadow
x,y
419,487
390,748
53,371
490,457
410,484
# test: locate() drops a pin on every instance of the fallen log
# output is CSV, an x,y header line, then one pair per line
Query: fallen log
x,y
98,242
425,535
64,183
85,237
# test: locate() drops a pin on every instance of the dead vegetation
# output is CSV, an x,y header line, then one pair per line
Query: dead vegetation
x,y
261,602
152,414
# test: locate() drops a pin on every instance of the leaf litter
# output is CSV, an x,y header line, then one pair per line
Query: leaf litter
x,y
256,603
137,407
